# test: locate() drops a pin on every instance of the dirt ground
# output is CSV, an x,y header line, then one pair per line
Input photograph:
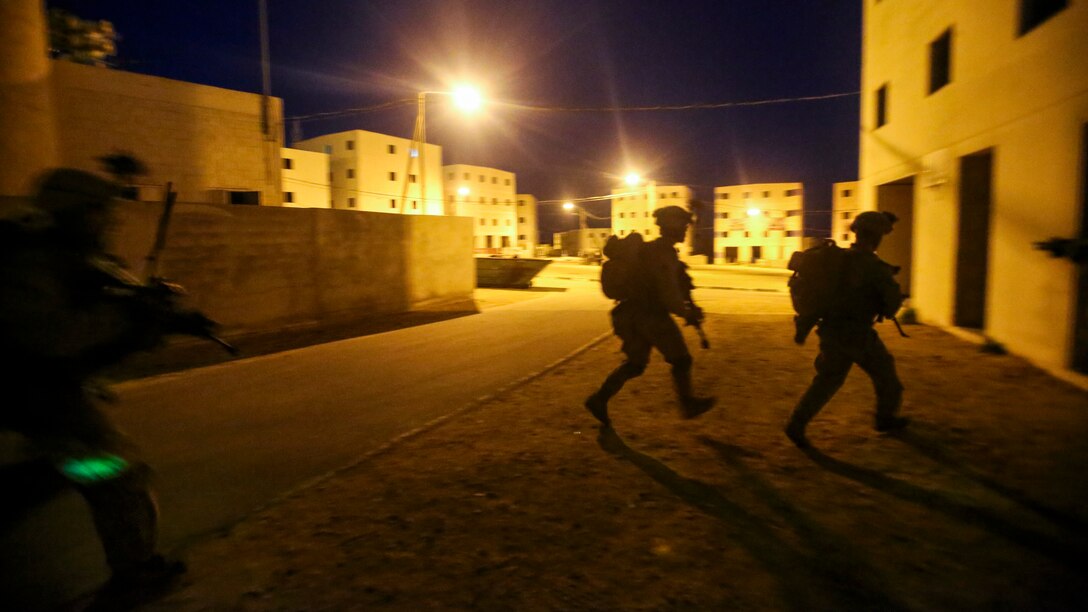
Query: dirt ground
x,y
522,503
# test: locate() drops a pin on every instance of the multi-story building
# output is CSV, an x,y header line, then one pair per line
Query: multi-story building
x,y
633,207
759,223
526,224
488,196
975,134
305,179
844,207
370,171
581,242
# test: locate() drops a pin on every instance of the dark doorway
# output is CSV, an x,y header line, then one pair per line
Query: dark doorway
x,y
757,253
1080,325
897,248
731,254
973,247
487,242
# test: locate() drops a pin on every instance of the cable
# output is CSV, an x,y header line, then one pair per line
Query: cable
x,y
668,107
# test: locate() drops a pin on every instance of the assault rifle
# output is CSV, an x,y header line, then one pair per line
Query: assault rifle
x,y
1075,249
687,285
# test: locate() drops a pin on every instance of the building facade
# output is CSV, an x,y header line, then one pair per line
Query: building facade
x,y
975,134
581,242
528,237
633,207
489,196
376,172
844,207
758,223
305,179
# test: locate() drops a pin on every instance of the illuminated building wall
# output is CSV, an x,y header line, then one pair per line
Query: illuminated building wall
x,y
633,207
305,179
844,207
489,196
367,171
974,131
527,236
760,223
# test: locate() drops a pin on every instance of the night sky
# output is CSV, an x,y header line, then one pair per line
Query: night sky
x,y
331,55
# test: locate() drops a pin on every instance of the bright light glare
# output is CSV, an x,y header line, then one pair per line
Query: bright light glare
x,y
467,98
633,179
568,205
462,191
753,212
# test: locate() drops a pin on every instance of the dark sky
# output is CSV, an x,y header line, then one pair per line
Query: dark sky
x,y
330,55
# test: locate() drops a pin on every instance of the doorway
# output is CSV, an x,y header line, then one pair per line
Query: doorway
x,y
973,246
731,254
897,248
757,253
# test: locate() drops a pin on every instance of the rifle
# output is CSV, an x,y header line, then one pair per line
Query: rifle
x,y
687,285
164,292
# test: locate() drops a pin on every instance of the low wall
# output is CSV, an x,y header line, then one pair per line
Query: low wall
x,y
257,268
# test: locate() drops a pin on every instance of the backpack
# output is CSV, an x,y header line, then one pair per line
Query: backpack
x,y
816,284
619,272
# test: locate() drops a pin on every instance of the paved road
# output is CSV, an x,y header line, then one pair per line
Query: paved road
x,y
228,438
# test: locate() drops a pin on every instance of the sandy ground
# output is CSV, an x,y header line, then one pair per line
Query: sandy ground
x,y
522,503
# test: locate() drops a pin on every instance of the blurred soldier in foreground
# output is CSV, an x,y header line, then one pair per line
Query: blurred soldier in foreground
x,y
654,287
67,309
1075,249
866,291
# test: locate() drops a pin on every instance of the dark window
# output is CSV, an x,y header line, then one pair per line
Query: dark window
x,y
747,234
415,204
351,202
393,149
507,182
521,219
793,213
450,176
245,198
392,176
411,178
482,180
521,202
766,194
521,236
466,175
351,173
1034,12
846,193
846,236
288,163
289,197
793,234
793,192
350,145
392,203
846,215
723,196
882,105
940,61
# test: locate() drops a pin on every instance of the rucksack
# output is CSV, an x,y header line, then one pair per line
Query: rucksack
x,y
619,272
816,285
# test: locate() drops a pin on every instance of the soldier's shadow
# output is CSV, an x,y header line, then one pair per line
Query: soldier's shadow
x,y
1069,554
796,572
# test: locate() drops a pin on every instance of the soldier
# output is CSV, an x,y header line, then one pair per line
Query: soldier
x,y
67,309
643,321
847,337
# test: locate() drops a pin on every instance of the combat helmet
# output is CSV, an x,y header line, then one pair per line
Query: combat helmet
x,y
878,223
672,216
67,191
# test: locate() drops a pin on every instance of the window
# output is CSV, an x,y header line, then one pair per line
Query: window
x,y
675,195
392,203
330,176
351,172
793,234
846,193
508,202
882,105
793,213
622,215
766,234
846,236
482,180
392,176
521,202
507,182
766,194
494,180
411,178
244,198
351,202
328,149
792,192
846,215
940,61
415,204
494,222
288,163
521,219
467,176
521,237
1034,13
350,145
483,222
723,196
494,201
449,176
747,194
646,214
392,149
747,234
289,197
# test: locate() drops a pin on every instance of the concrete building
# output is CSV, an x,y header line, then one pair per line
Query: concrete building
x,y
581,242
527,224
367,172
975,133
633,207
488,196
758,223
305,179
844,207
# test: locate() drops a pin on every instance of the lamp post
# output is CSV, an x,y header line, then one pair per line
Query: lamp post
x,y
467,99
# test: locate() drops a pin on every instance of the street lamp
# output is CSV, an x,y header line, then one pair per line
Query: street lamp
x,y
464,97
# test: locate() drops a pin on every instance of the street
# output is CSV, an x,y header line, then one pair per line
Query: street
x,y
226,439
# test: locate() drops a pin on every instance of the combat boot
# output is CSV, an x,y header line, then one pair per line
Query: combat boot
x,y
891,424
693,406
795,431
598,407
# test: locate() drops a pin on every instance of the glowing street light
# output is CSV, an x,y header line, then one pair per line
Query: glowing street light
x,y
753,212
462,191
568,205
465,98
632,179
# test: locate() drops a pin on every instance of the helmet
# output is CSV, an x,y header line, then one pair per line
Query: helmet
x,y
873,222
70,192
672,216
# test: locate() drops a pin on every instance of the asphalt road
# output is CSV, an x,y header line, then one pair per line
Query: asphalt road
x,y
226,439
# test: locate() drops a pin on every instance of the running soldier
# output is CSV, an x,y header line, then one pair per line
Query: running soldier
x,y
869,291
644,321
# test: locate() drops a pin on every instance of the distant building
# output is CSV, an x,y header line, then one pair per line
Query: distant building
x,y
581,242
974,132
759,223
488,196
367,171
305,179
633,207
844,207
527,224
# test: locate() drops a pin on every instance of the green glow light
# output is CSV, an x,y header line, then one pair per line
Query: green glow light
x,y
86,470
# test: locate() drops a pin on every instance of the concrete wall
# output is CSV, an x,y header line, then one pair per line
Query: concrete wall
x,y
203,139
1022,98
259,268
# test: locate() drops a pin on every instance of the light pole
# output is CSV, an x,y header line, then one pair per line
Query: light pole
x,y
464,97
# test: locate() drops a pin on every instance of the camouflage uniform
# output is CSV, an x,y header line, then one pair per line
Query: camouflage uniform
x,y
847,337
644,322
